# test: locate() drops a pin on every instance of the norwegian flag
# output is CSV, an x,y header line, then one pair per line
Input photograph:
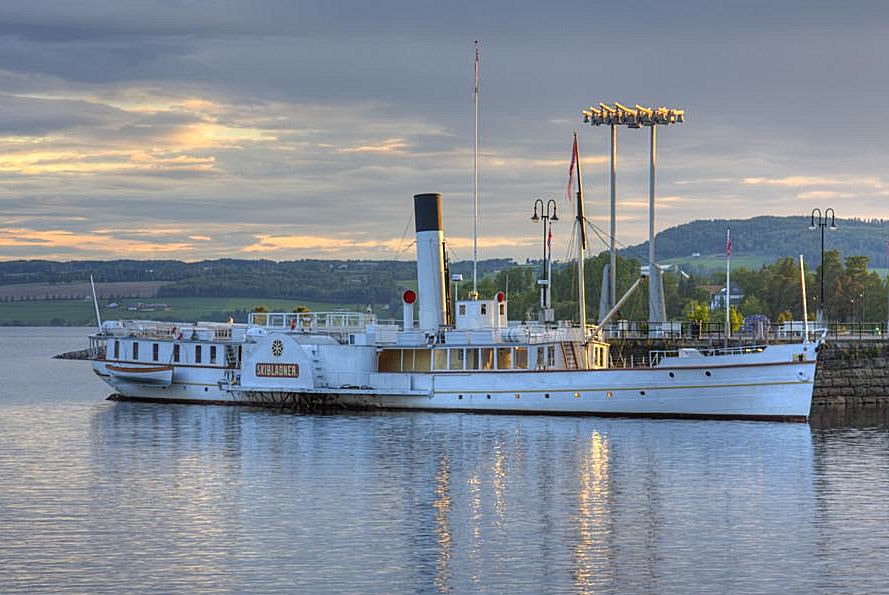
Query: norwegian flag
x,y
574,159
549,239
728,241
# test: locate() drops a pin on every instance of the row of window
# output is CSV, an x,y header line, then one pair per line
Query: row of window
x,y
177,352
471,358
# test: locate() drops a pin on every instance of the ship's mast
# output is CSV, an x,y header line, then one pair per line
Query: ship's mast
x,y
581,243
475,187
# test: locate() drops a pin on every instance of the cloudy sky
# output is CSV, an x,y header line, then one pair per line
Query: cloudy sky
x,y
294,129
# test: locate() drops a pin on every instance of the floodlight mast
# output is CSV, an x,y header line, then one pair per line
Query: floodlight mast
x,y
636,117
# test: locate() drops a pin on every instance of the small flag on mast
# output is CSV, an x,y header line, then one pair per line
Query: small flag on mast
x,y
571,171
728,241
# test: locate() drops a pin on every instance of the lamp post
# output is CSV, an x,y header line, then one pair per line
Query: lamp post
x,y
547,214
822,222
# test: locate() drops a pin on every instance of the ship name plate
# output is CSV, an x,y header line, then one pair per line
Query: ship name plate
x,y
277,370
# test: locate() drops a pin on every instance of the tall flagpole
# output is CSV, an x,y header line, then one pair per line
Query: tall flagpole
x,y
728,283
475,187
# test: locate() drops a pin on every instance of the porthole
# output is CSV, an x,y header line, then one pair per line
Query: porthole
x,y
708,373
609,394
489,396
672,375
206,389
518,396
460,397
546,396
576,395
642,392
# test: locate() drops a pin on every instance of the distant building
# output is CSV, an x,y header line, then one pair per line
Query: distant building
x,y
140,307
717,299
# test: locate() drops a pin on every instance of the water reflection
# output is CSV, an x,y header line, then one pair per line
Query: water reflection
x,y
442,506
509,501
592,550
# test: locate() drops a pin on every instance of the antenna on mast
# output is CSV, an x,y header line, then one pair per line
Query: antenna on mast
x,y
474,294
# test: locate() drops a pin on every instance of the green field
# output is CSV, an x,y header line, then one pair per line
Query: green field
x,y
81,313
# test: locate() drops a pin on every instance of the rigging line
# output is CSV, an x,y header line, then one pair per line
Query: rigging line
x,y
600,232
406,248
404,233
451,251
569,252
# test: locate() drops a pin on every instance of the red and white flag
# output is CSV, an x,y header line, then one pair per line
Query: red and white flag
x,y
574,159
728,241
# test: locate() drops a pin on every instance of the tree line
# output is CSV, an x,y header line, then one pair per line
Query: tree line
x,y
851,291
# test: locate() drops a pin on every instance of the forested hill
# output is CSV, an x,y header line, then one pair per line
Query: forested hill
x,y
766,239
330,281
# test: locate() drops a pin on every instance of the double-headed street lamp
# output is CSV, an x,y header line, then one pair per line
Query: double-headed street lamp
x,y
548,215
822,222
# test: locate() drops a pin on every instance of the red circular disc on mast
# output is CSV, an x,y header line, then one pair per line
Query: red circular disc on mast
x,y
500,296
409,296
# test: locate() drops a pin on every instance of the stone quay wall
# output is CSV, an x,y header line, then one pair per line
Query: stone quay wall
x,y
852,373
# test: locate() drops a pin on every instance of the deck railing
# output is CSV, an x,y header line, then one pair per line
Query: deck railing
x,y
714,332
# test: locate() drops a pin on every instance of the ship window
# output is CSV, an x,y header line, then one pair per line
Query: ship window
x,y
504,359
456,359
212,354
441,359
422,360
407,360
539,354
502,309
462,309
484,309
521,358
487,359
472,359
155,348
551,355
389,360
197,354
135,350
116,349
176,352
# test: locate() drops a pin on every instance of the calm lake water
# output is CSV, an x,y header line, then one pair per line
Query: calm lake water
x,y
97,496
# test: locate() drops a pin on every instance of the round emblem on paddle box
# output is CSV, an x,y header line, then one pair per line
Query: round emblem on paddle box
x,y
277,347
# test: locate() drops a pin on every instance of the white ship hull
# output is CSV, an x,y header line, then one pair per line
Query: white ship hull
x,y
774,384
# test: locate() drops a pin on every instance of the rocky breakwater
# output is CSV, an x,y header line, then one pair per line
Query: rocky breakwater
x,y
852,373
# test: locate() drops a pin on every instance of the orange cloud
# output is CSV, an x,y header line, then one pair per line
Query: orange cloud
x,y
59,238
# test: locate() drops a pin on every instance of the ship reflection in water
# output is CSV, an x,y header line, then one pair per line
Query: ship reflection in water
x,y
216,498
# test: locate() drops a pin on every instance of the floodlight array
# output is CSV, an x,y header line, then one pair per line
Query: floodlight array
x,y
632,117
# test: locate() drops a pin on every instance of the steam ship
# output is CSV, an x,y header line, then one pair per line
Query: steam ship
x,y
454,355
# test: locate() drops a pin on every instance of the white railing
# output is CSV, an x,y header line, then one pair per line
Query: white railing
x,y
657,355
